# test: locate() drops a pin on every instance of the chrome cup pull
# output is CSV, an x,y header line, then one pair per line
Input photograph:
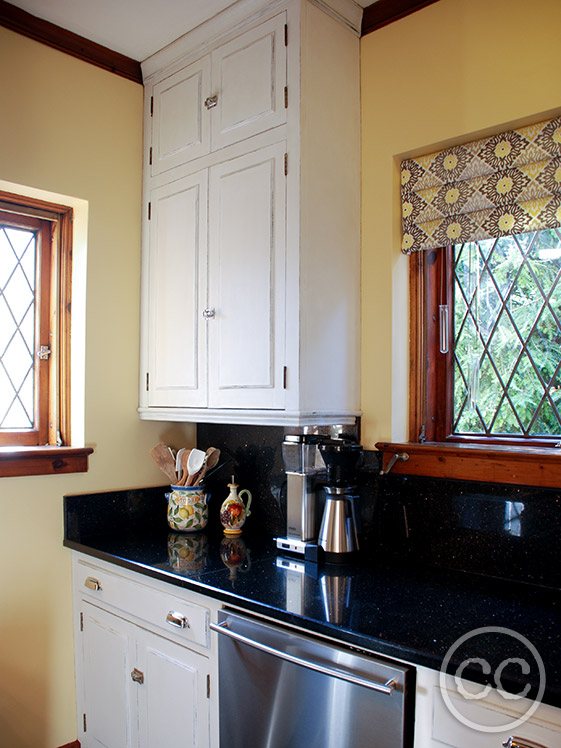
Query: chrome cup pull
x,y
178,620
514,742
92,584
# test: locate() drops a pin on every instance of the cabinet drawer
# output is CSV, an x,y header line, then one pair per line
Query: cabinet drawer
x,y
170,614
457,729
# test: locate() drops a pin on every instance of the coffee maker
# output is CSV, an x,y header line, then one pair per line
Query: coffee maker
x,y
338,531
320,468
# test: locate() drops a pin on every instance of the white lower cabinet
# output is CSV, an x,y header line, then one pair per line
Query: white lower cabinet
x,y
447,719
137,685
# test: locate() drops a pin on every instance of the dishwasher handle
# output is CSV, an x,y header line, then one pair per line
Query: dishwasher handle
x,y
387,688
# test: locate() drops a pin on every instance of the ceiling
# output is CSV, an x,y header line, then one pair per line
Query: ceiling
x,y
135,28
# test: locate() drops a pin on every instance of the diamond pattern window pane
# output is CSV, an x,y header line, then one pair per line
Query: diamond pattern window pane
x,y
507,336
17,327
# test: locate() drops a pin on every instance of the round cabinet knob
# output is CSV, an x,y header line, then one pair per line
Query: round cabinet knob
x,y
211,101
209,313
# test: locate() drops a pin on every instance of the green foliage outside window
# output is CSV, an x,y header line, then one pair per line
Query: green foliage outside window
x,y
507,336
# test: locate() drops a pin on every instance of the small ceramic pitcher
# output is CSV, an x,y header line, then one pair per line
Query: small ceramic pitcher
x,y
187,508
233,512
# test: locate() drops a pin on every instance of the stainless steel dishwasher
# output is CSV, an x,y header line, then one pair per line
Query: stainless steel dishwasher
x,y
281,689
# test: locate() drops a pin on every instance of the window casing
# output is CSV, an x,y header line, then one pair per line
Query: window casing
x,y
492,339
42,444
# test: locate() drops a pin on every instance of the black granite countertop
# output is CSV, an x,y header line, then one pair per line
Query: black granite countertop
x,y
409,611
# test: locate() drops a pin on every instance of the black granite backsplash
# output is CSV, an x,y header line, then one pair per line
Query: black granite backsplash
x,y
496,530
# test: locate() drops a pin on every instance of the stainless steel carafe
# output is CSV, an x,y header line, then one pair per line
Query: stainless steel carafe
x,y
337,535
338,532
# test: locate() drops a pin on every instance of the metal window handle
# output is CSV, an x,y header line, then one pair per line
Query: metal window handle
x,y
387,688
92,584
137,676
514,742
176,619
401,456
211,101
209,313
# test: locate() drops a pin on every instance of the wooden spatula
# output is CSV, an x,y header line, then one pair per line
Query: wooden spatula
x,y
164,460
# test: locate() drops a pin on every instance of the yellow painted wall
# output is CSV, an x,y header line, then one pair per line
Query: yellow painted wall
x,y
454,71
70,128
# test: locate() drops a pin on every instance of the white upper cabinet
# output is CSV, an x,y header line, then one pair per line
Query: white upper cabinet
x,y
227,96
246,281
248,80
251,236
177,272
181,129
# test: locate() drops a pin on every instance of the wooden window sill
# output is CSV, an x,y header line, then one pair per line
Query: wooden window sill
x,y
18,461
522,466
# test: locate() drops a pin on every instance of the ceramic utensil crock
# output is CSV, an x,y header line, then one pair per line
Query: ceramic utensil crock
x,y
187,508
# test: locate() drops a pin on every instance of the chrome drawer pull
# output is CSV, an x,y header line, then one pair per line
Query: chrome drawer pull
x,y
176,619
92,584
387,688
137,676
514,742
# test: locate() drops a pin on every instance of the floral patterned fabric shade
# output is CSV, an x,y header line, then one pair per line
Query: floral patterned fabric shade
x,y
506,184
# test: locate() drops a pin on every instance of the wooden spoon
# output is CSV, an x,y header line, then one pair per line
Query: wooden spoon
x,y
185,473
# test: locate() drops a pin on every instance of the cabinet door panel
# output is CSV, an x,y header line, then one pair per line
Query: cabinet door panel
x,y
249,75
180,122
247,284
173,696
107,667
177,293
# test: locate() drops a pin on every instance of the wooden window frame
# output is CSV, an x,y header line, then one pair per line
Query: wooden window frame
x,y
48,450
431,451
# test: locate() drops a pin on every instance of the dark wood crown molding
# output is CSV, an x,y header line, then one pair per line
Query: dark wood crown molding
x,y
16,19
384,12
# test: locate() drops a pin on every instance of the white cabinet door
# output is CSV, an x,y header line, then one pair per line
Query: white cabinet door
x,y
172,701
107,663
247,198
249,77
140,689
177,293
180,122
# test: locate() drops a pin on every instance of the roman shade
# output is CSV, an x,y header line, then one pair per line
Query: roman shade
x,y
506,184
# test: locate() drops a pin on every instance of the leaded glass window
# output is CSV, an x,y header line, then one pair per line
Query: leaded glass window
x,y
506,337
